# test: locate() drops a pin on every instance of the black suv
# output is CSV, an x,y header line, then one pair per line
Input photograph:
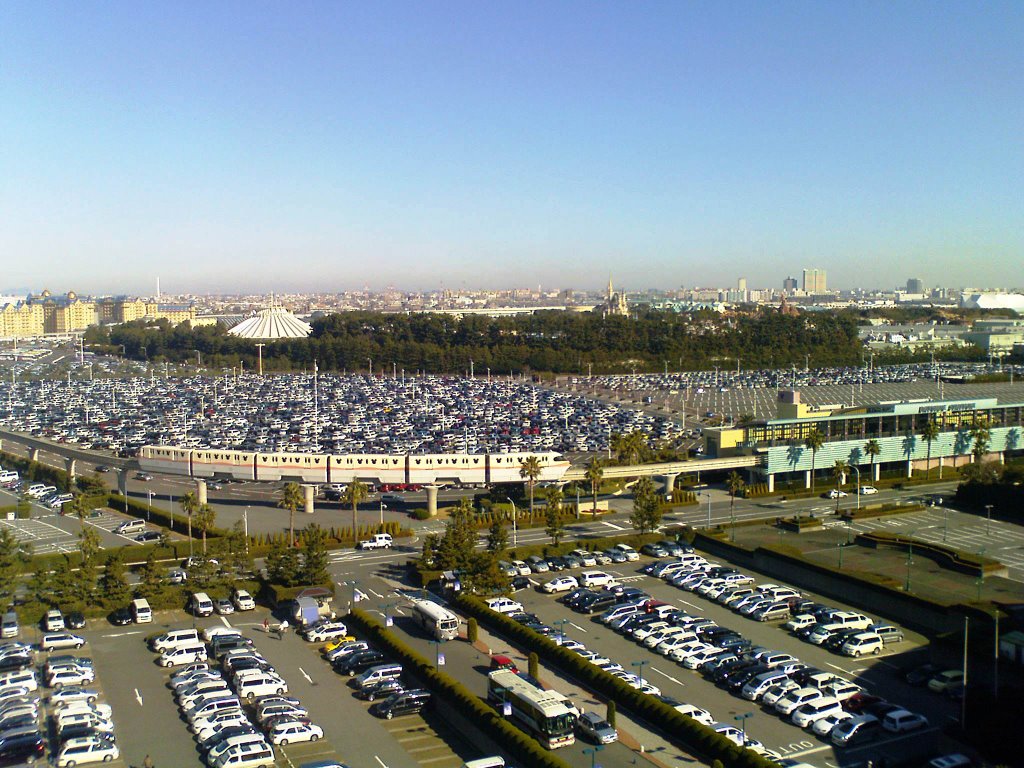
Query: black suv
x,y
405,703
357,662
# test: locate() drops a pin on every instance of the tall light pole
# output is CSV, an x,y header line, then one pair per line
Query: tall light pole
x,y
259,352
856,469
709,510
988,523
245,528
514,529
149,509
640,670
592,751
742,720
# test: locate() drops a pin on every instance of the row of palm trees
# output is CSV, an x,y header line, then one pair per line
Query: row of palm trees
x,y
530,470
930,431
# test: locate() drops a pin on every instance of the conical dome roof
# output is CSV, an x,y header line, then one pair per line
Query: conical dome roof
x,y
272,323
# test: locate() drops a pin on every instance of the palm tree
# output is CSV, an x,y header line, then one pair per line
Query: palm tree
x,y
292,497
840,471
872,449
205,517
929,433
981,434
814,440
735,484
594,475
189,505
529,470
355,495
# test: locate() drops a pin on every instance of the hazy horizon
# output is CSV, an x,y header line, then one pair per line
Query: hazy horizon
x,y
323,148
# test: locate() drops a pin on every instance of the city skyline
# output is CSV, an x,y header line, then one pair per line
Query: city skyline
x,y
327,149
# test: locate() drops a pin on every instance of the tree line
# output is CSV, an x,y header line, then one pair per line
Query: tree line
x,y
546,342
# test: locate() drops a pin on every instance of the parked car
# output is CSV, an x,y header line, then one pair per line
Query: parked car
x,y
596,728
943,680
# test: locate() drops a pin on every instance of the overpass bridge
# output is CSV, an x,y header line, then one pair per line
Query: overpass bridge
x,y
669,470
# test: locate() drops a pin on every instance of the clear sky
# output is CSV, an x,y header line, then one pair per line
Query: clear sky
x,y
229,146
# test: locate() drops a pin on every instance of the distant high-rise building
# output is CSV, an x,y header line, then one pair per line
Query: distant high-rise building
x,y
790,284
741,284
814,281
915,285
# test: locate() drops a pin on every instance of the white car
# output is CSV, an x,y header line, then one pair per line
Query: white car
x,y
87,749
88,720
296,730
560,584
102,711
70,675
52,641
836,494
792,700
824,726
243,601
211,632
326,632
808,714
868,490
54,621
210,728
503,605
698,714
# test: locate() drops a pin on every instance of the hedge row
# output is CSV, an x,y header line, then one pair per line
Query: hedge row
x,y
522,747
879,511
693,736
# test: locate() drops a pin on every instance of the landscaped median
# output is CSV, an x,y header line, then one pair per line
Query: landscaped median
x,y
523,748
691,735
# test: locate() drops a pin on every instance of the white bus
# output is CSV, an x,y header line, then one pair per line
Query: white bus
x,y
436,619
542,713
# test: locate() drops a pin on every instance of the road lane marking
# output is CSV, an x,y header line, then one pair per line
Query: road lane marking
x,y
308,678
577,626
382,763
138,697
663,674
123,634
225,620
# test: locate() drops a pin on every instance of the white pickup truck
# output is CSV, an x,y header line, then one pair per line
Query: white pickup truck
x,y
379,541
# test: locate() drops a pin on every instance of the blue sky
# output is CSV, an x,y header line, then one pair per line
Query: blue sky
x,y
330,146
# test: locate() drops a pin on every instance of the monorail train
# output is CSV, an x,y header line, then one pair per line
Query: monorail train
x,y
459,468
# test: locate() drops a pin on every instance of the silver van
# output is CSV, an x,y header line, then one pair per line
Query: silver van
x,y
130,526
141,611
201,604
9,625
183,654
378,674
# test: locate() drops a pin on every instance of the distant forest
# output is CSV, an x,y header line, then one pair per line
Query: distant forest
x,y
549,342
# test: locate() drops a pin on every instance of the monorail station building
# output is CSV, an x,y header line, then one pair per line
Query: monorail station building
x,y
897,428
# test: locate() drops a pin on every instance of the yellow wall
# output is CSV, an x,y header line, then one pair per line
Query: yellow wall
x,y
21,321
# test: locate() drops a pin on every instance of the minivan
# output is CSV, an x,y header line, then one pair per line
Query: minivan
x,y
183,654
855,730
848,620
201,604
485,762
405,703
864,642
590,579
9,625
254,759
175,639
756,686
377,674
141,611
130,526
25,678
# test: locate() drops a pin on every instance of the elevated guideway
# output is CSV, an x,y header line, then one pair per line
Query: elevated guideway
x,y
668,470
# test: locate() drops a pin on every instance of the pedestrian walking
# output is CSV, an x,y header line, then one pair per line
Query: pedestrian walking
x,y
266,625
148,762
282,629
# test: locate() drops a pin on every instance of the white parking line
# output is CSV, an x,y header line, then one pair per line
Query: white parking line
x,y
225,620
577,626
663,674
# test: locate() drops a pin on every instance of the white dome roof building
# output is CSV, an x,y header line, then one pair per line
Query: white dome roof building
x,y
272,323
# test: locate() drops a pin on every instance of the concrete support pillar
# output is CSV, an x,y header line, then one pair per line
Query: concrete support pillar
x,y
1001,457
33,454
910,468
842,478
431,499
771,483
670,482
69,464
201,491
807,478
310,492
876,471
122,482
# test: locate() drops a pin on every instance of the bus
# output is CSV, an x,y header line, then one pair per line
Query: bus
x,y
436,620
542,713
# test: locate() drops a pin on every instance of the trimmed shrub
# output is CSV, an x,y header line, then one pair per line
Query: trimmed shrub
x,y
472,630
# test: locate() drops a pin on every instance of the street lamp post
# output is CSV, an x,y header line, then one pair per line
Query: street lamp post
x,y
839,546
245,528
514,528
640,670
742,720
910,559
149,509
709,510
988,523
592,751
856,469
560,623
382,508
980,581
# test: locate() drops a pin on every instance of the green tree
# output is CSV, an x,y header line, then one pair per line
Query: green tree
x,y
555,526
189,505
284,567
455,547
314,561
839,471
115,591
497,538
233,550
630,449
735,484
529,470
14,559
814,440
594,476
292,497
151,584
981,434
646,515
872,448
930,433
205,517
355,494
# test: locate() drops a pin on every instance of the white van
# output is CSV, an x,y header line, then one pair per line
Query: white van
x,y
9,625
254,759
26,678
377,674
485,762
175,639
8,476
262,685
692,561
848,620
183,654
141,612
590,579
201,604
630,553
861,643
